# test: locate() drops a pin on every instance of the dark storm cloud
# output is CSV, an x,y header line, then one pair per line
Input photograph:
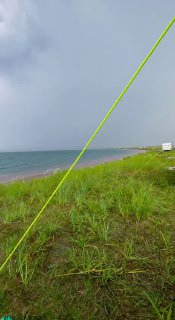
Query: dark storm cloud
x,y
63,63
21,39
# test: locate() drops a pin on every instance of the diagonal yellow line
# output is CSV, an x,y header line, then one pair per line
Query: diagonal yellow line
x,y
71,273
90,140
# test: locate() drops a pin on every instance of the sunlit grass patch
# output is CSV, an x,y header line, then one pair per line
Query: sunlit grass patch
x,y
138,199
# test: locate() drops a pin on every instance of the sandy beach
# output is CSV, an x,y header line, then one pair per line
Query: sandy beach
x,y
4,179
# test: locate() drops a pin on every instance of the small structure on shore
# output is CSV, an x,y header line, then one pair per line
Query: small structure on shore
x,y
167,146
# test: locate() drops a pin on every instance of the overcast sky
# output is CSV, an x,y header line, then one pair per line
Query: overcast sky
x,y
64,62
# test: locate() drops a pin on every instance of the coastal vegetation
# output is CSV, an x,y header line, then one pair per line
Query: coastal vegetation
x,y
103,249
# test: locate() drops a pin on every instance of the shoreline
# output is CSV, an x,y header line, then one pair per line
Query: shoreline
x,y
50,172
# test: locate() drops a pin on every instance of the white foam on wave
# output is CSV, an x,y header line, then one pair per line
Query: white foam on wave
x,y
51,170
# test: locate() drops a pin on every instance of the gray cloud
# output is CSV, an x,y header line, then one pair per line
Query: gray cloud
x,y
63,63
21,37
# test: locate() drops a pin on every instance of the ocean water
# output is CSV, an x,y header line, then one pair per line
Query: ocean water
x,y
19,165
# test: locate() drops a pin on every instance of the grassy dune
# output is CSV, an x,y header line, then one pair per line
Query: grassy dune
x,y
103,249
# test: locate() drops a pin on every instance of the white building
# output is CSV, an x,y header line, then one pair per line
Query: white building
x,y
167,146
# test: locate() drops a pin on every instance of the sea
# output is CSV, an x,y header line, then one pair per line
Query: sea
x,y
22,165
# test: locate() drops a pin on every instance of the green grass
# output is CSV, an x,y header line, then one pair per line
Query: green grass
x,y
103,249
